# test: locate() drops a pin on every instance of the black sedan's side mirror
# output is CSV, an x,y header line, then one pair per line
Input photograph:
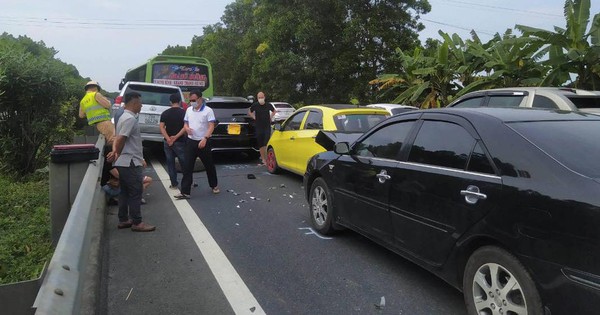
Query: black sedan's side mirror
x,y
341,148
277,126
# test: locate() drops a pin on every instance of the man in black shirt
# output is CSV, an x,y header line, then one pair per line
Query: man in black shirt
x,y
171,128
262,113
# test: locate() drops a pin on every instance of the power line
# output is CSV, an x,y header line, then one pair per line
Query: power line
x,y
505,8
95,19
458,27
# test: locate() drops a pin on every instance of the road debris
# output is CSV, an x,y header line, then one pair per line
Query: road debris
x,y
381,304
127,298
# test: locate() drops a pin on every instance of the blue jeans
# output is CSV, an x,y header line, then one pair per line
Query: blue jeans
x,y
177,150
111,191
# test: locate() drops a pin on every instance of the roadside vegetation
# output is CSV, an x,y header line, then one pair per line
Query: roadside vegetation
x,y
38,108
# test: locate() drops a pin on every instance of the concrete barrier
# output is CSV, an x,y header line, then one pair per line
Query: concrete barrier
x,y
71,284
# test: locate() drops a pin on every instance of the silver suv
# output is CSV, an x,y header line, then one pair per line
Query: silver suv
x,y
155,100
533,97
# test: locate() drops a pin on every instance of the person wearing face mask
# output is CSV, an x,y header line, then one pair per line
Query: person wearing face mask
x,y
262,112
199,124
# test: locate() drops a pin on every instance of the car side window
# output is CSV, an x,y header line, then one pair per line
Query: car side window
x,y
540,101
479,162
442,144
505,100
386,142
293,123
470,102
314,120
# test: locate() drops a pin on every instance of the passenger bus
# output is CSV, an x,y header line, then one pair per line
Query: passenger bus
x,y
187,72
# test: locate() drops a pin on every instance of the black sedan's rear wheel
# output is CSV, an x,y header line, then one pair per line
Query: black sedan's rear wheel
x,y
496,283
321,207
272,166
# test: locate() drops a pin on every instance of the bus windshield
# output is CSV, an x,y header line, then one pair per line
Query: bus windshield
x,y
188,77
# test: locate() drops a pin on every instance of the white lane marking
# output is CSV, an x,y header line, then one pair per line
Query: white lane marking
x,y
237,293
315,233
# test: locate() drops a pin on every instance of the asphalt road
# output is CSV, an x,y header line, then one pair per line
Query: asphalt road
x,y
262,227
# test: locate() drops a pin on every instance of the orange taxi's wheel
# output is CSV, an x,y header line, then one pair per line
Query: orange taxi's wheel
x,y
272,162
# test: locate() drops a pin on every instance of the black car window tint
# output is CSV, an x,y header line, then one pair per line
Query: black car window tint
x,y
294,122
574,143
540,101
505,100
470,102
386,142
442,144
314,120
479,162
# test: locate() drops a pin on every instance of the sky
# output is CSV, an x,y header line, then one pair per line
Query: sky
x,y
105,38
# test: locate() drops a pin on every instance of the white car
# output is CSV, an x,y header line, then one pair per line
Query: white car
x,y
284,110
533,97
394,109
155,100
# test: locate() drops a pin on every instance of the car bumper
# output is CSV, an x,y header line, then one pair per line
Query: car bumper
x,y
565,290
233,143
152,137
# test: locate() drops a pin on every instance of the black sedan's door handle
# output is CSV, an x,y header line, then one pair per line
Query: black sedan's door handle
x,y
383,176
472,194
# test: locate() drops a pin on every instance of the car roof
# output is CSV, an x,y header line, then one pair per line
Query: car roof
x,y
519,114
344,108
150,84
282,103
534,89
390,106
228,99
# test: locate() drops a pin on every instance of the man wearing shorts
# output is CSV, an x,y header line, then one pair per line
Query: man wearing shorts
x,y
262,113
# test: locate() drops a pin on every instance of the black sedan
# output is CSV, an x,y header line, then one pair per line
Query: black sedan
x,y
235,129
503,204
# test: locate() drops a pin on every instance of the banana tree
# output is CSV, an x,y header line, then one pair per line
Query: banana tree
x,y
509,61
572,50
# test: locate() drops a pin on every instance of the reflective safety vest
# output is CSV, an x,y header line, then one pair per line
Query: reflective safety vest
x,y
94,112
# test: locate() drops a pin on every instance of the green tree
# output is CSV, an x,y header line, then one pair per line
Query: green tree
x,y
307,51
572,50
36,106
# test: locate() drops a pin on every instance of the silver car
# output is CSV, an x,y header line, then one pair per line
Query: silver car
x,y
533,97
284,110
155,100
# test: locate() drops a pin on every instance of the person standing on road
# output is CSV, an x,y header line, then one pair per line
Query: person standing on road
x,y
128,158
172,130
199,123
95,107
262,113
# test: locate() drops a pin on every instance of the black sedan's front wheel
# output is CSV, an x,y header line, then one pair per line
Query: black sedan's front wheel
x,y
495,282
321,207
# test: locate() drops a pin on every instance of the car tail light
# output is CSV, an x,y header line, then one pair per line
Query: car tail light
x,y
118,100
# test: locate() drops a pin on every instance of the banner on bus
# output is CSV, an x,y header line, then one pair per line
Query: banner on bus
x,y
180,75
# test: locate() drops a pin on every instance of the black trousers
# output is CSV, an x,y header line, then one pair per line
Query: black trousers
x,y
205,154
131,184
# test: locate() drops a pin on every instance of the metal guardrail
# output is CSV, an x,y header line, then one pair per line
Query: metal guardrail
x,y
71,284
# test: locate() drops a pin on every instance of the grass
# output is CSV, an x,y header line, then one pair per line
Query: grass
x,y
25,240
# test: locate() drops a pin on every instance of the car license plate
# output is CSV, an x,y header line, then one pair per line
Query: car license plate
x,y
149,119
234,129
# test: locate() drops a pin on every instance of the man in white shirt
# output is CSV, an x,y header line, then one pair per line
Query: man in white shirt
x,y
199,123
